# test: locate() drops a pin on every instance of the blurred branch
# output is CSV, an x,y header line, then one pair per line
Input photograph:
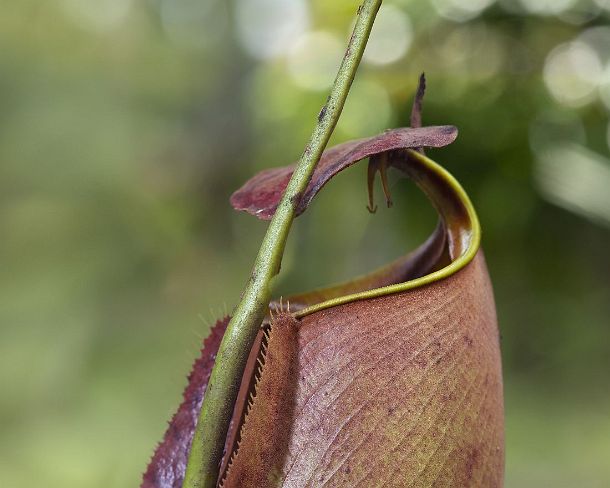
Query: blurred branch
x,y
217,409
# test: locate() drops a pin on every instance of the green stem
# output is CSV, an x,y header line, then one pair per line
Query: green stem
x,y
221,393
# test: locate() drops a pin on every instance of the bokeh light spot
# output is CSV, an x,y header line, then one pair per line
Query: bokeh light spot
x,y
368,110
605,4
314,59
391,36
598,38
97,16
577,179
572,72
461,10
547,7
270,28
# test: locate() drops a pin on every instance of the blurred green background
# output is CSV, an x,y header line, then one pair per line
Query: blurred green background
x,y
126,124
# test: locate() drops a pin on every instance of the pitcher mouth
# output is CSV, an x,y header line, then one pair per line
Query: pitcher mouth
x,y
451,246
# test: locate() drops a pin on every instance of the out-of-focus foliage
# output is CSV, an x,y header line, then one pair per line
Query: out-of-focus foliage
x,y
126,124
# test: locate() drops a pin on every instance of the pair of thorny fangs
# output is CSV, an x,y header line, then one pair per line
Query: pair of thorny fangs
x,y
390,379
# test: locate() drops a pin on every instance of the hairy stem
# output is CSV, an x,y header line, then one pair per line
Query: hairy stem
x,y
215,416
